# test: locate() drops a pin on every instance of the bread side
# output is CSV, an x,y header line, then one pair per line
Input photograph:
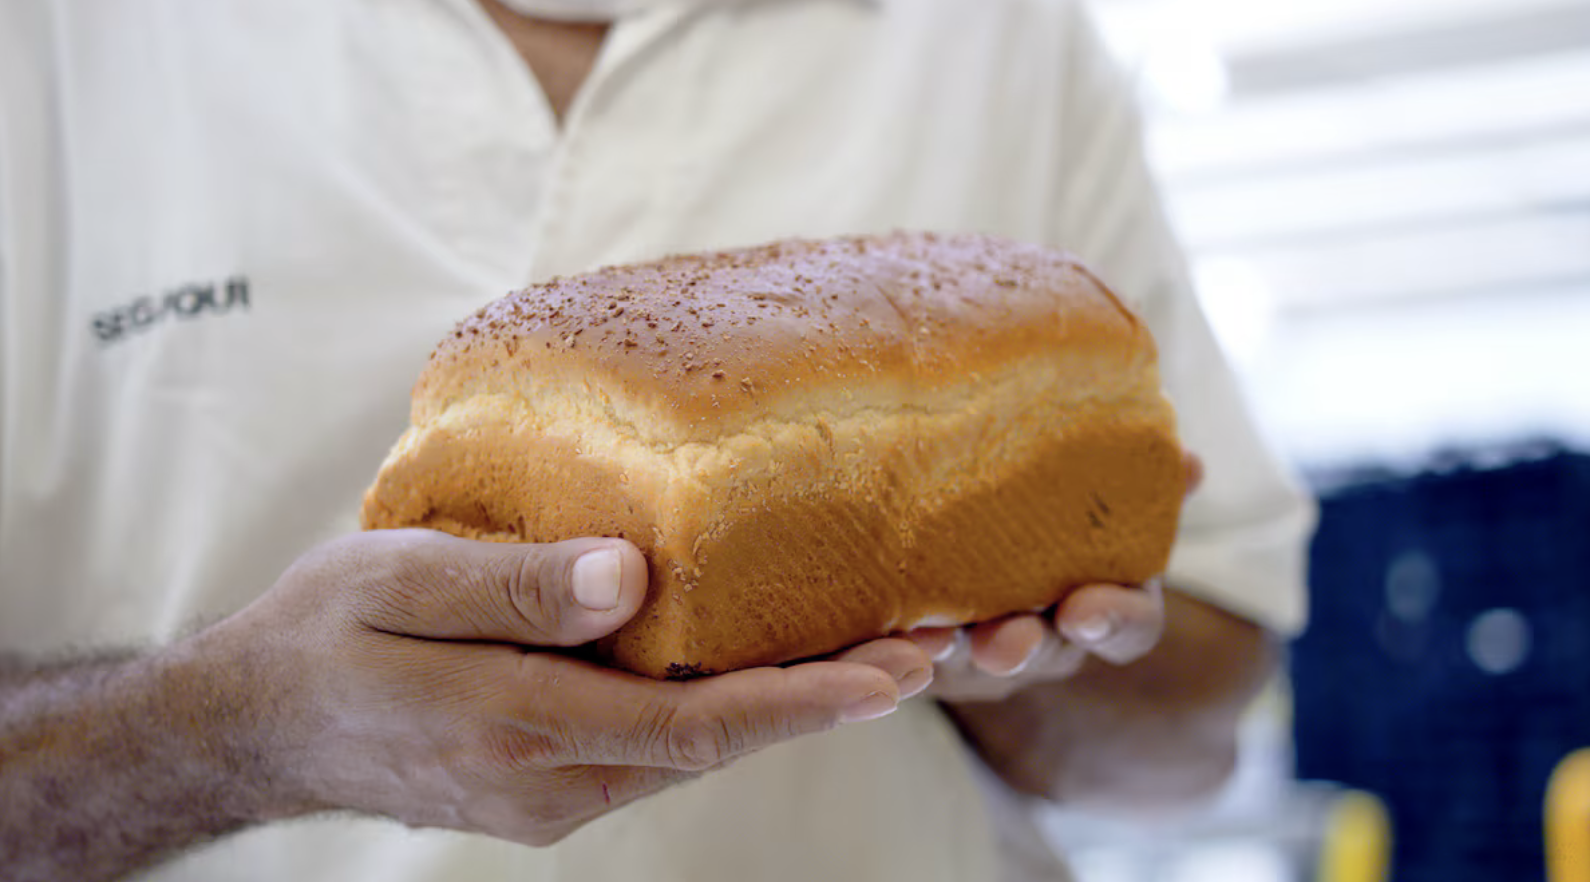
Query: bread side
x,y
794,538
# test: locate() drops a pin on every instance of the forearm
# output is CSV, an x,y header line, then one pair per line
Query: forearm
x,y
1158,732
112,764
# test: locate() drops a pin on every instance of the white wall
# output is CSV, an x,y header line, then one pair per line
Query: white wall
x,y
1388,205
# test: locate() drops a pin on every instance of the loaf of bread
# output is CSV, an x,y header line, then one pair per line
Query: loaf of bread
x,y
814,443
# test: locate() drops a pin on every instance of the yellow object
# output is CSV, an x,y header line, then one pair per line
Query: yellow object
x,y
1357,844
1568,819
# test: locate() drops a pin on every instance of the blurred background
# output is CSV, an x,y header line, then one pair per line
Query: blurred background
x,y
1387,203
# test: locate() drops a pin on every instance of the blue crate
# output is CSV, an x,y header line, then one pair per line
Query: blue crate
x,y
1447,662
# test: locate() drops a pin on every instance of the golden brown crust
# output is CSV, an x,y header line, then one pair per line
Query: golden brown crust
x,y
704,344
815,443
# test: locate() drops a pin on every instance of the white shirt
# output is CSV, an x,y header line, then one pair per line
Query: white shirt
x,y
231,231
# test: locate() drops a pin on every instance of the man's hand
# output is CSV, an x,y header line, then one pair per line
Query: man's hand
x,y
1154,733
413,694
402,673
993,660
1121,696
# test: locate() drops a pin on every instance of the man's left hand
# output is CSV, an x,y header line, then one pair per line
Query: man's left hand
x,y
991,660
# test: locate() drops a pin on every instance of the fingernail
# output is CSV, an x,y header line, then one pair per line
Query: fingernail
x,y
875,705
957,637
914,681
1025,662
597,577
1093,630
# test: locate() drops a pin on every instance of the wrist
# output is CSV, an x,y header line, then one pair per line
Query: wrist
x,y
109,765
231,722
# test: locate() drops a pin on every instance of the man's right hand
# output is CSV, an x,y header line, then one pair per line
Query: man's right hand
x,y
401,673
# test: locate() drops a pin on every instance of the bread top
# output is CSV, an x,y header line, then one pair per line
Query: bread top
x,y
690,348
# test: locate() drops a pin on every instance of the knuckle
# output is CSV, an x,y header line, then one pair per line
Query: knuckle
x,y
406,582
689,744
699,745
651,734
519,748
531,584
376,577
395,559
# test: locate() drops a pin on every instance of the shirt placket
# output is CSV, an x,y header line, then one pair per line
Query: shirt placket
x,y
483,134
605,157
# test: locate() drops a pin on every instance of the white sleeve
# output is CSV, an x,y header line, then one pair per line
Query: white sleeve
x,y
1243,539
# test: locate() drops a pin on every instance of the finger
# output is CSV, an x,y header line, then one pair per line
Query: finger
x,y
903,659
1005,647
725,717
1194,468
1116,623
938,643
607,717
1057,659
559,594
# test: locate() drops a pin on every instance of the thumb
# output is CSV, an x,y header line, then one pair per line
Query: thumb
x,y
557,594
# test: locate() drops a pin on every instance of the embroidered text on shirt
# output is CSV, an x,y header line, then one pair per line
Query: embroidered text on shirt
x,y
186,302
